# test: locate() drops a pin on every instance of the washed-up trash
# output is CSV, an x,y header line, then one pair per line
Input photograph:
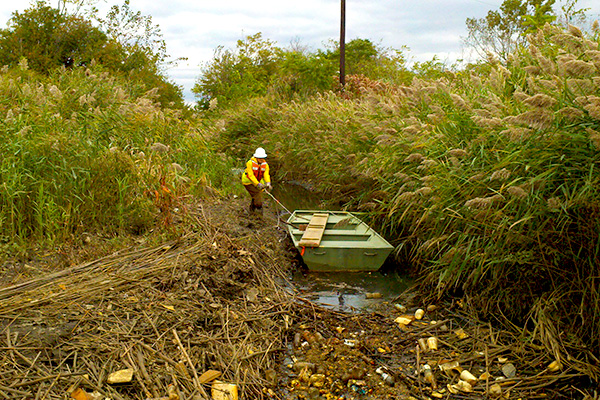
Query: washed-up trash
x,y
122,376
80,394
400,308
351,342
419,313
467,376
554,366
224,391
404,320
432,343
172,392
423,344
373,295
485,376
509,370
451,367
387,378
460,386
428,375
461,334
495,390
300,365
431,307
317,380
209,376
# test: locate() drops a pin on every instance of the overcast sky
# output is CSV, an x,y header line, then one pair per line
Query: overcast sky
x,y
195,28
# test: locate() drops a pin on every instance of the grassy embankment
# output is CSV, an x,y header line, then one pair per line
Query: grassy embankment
x,y
83,151
486,180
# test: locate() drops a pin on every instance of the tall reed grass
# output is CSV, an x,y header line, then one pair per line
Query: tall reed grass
x,y
83,151
487,180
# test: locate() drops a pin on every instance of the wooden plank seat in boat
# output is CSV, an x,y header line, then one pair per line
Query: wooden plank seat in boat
x,y
314,230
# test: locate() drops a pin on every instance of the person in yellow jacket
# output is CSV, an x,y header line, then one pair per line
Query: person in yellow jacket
x,y
256,178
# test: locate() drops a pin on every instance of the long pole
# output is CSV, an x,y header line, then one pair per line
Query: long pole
x,y
343,45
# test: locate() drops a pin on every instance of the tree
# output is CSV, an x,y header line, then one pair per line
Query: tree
x,y
46,38
502,32
363,57
240,73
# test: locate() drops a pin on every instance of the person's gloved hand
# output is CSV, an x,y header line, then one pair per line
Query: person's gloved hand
x,y
269,186
261,186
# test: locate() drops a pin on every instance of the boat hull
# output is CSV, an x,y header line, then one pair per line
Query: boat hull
x,y
347,244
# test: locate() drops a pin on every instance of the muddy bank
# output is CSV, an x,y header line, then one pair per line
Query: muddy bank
x,y
165,321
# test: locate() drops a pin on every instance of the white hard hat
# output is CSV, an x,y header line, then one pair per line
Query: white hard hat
x,y
260,153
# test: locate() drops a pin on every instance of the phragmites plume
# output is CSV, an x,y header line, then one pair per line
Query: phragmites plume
x,y
541,100
402,177
484,202
55,92
459,102
594,137
538,118
477,177
406,197
594,56
520,95
455,162
581,87
410,130
596,26
578,68
517,134
483,122
571,114
517,192
575,31
554,203
532,69
550,29
426,164
459,153
424,191
593,107
535,52
160,148
546,65
385,140
23,64
414,158
549,84
500,175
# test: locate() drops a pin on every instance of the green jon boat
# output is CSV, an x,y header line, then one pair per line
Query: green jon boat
x,y
334,241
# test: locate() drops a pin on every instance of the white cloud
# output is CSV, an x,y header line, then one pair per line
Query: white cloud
x,y
195,28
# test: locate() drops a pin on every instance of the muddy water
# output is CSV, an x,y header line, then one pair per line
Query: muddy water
x,y
341,291
351,292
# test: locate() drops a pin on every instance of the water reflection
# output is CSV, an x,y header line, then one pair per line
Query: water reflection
x,y
297,196
350,292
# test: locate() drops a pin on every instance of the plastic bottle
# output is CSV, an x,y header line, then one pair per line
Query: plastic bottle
x,y
387,378
428,375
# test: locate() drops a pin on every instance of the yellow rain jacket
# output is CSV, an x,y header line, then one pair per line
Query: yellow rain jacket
x,y
256,173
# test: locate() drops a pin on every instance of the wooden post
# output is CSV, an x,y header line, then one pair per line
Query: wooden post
x,y
343,46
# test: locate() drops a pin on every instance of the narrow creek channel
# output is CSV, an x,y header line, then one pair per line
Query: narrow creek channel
x,y
340,291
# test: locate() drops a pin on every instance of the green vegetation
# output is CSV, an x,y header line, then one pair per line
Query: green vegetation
x,y
84,151
257,67
485,179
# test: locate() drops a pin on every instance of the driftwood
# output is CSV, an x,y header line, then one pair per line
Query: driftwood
x,y
219,299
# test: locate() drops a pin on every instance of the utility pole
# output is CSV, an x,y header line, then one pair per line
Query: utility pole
x,y
343,46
